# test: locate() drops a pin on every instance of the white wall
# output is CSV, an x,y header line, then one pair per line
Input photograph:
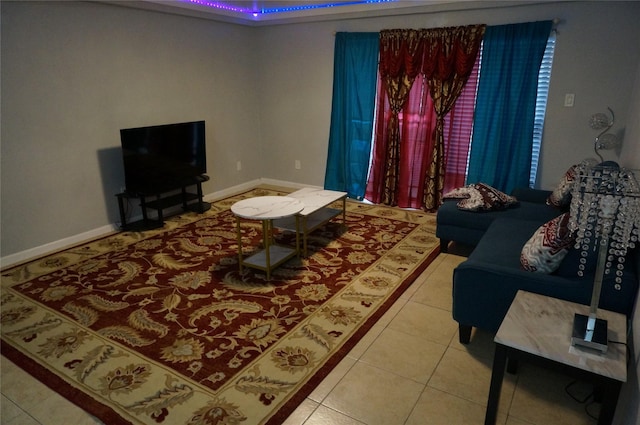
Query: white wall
x,y
628,411
74,73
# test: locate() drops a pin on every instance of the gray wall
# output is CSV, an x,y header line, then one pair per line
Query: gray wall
x,y
74,73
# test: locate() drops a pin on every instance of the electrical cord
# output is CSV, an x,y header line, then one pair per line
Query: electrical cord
x,y
626,346
590,399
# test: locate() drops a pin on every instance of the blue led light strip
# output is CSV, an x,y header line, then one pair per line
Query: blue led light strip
x,y
263,11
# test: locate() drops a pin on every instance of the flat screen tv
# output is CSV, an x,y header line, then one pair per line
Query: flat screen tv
x,y
163,157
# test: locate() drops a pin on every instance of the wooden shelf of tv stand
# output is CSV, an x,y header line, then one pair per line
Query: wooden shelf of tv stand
x,y
164,199
162,203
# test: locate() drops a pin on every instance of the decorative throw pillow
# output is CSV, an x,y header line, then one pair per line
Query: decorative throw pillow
x,y
481,197
545,250
561,195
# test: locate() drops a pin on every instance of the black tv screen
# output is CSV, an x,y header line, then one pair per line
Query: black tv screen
x,y
163,157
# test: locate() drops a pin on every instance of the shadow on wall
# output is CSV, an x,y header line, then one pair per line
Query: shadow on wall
x,y
112,172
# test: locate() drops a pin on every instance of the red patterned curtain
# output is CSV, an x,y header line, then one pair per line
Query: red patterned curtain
x,y
400,63
458,126
449,57
409,154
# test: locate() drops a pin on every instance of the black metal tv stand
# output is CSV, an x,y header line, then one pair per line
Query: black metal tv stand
x,y
163,199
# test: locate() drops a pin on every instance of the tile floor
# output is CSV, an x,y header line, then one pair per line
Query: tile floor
x,y
409,369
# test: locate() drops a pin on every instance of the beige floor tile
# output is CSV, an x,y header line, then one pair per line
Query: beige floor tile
x,y
514,421
451,260
9,410
415,286
27,396
374,396
332,379
23,419
393,311
426,322
54,409
481,344
406,355
302,413
41,403
439,408
468,377
540,398
436,291
366,341
325,416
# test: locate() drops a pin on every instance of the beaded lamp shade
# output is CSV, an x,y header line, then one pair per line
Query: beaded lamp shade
x,y
605,214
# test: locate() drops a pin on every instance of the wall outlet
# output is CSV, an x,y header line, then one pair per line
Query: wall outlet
x,y
298,166
238,165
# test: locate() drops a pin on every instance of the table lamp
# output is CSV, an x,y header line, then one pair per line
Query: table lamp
x,y
605,216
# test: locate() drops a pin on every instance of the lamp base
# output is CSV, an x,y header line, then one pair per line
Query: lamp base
x,y
595,337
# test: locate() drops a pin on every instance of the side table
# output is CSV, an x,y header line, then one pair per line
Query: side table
x,y
267,209
538,329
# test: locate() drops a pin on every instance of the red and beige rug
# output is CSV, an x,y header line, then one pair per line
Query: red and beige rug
x,y
159,327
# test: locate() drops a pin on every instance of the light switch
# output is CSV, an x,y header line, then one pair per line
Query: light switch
x,y
569,98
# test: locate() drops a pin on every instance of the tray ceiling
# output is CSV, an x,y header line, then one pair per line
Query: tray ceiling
x,y
271,12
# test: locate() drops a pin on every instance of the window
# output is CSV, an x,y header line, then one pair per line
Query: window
x,y
493,142
544,77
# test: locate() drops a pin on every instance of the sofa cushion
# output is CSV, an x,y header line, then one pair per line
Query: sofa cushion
x,y
561,195
481,197
550,243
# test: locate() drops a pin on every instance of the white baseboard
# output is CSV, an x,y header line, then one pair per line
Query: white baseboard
x,y
14,259
41,250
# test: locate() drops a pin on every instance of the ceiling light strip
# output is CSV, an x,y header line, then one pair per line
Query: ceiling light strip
x,y
297,8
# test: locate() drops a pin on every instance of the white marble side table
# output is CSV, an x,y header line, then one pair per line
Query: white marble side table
x,y
267,209
538,329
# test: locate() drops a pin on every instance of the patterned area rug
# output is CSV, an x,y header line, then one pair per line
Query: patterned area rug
x,y
159,327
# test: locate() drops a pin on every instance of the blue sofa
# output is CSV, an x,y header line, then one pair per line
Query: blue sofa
x,y
485,285
468,227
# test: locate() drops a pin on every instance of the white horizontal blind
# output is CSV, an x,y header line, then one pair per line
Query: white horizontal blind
x,y
544,77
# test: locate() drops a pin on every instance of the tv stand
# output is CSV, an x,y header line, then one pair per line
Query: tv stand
x,y
163,199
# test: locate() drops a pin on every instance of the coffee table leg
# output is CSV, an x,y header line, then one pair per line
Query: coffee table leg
x,y
497,374
266,237
239,235
298,237
305,235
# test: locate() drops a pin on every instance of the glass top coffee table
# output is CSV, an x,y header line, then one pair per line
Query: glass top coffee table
x,y
266,209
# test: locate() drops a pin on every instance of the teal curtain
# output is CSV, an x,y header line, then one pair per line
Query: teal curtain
x,y
502,141
354,90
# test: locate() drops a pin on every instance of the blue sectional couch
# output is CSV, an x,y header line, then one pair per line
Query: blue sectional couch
x,y
468,227
486,283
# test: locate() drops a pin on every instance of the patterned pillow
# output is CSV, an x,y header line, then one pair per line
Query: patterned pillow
x,y
561,195
481,197
548,246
